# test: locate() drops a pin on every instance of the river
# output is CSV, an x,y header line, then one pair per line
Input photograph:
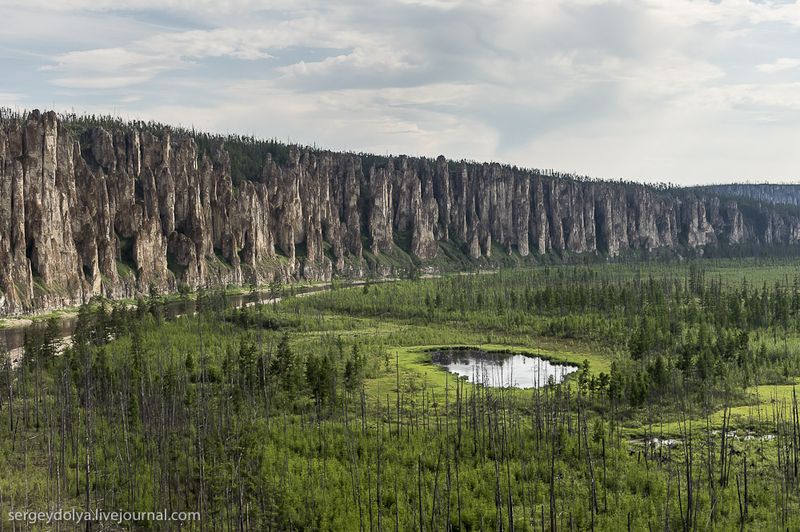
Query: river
x,y
12,337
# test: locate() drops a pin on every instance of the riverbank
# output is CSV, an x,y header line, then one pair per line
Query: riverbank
x,y
28,319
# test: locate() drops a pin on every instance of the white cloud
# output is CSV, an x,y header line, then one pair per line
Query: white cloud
x,y
779,65
201,44
435,4
752,97
607,87
191,6
107,68
245,42
143,59
373,62
725,12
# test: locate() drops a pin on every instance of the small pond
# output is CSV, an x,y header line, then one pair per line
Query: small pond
x,y
501,369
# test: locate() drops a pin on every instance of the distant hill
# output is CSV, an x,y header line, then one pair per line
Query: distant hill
x,y
788,194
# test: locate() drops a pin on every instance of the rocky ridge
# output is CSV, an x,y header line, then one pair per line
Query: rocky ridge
x,y
119,212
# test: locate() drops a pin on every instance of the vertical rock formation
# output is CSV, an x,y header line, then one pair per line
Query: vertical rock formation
x,y
117,210
380,212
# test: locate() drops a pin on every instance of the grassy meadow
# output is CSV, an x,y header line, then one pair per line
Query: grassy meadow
x,y
325,412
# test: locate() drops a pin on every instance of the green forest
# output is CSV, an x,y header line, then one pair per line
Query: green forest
x,y
324,410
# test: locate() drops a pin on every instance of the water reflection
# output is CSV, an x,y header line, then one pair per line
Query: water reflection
x,y
13,338
501,370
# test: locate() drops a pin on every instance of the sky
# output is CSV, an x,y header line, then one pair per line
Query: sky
x,y
679,91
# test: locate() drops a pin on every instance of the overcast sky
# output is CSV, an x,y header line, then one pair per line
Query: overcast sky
x,y
652,90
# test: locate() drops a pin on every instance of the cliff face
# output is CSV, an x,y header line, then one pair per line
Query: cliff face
x,y
118,213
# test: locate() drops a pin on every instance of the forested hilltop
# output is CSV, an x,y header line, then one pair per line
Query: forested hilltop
x,y
96,206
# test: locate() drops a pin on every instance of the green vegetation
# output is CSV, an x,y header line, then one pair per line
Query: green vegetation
x,y
325,411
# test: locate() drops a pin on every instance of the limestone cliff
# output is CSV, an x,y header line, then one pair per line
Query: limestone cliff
x,y
119,210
